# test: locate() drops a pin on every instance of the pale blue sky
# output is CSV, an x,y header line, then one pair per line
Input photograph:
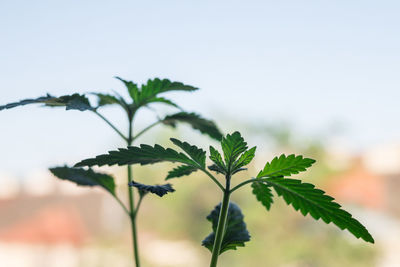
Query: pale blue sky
x,y
309,62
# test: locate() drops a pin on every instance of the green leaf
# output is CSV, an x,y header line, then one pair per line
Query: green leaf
x,y
217,169
245,158
133,89
306,198
157,86
216,157
148,93
205,126
71,102
235,234
232,145
159,190
85,177
285,166
263,194
162,100
197,154
180,171
106,99
143,155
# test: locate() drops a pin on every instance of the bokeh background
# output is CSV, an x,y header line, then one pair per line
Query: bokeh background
x,y
318,78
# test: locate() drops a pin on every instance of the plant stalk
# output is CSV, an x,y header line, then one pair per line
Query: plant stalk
x,y
132,201
133,219
223,215
132,211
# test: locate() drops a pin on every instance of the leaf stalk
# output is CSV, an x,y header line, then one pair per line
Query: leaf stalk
x,y
247,182
111,125
146,129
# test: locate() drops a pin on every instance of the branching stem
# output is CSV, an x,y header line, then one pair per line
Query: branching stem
x,y
123,206
137,207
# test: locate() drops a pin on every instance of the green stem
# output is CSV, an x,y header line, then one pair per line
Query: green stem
x,y
223,215
146,129
132,212
138,206
133,219
122,206
111,125
131,200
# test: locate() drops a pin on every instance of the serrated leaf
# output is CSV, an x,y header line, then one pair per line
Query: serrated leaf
x,y
263,194
158,86
162,100
85,177
106,99
235,234
159,190
285,166
148,93
197,154
217,169
232,145
245,158
143,155
310,200
70,102
132,88
180,171
205,126
216,157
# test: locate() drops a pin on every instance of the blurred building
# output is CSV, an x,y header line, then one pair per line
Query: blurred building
x,y
371,186
46,222
372,181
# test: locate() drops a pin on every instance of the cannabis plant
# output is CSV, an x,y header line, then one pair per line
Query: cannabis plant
x,y
140,97
229,229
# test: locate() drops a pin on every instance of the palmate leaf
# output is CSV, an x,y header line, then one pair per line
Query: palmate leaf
x,y
236,233
143,155
286,166
217,169
70,102
306,198
85,177
159,190
245,158
216,157
205,126
148,93
146,154
180,171
263,194
232,145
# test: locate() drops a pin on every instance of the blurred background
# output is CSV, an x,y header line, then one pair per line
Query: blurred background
x,y
318,78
